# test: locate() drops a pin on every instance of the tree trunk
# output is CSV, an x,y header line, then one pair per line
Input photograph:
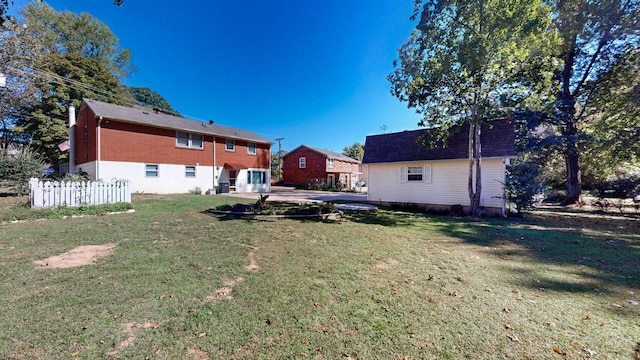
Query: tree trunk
x,y
470,179
478,159
574,187
474,163
566,105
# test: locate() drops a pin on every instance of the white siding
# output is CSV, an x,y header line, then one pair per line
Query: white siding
x,y
171,178
448,184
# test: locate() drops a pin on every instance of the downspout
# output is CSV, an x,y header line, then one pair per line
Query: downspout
x,y
99,118
215,168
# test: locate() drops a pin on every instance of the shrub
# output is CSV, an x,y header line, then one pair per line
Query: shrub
x,y
522,184
16,169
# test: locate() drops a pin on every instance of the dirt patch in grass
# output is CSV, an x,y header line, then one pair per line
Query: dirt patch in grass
x,y
225,291
199,354
385,264
253,265
129,329
82,255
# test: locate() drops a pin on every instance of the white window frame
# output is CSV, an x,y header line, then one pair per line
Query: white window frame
x,y
252,148
263,177
232,143
302,162
149,170
190,169
190,140
331,164
425,174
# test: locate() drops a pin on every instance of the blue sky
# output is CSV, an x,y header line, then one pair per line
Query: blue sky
x,y
312,72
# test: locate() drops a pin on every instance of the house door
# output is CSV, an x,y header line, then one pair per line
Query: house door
x,y
331,180
232,180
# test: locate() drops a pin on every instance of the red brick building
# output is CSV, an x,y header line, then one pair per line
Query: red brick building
x,y
308,166
161,153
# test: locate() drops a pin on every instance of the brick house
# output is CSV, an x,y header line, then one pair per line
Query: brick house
x,y
306,165
161,153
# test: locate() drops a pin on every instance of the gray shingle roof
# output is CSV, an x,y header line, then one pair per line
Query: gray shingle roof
x,y
162,120
327,153
498,140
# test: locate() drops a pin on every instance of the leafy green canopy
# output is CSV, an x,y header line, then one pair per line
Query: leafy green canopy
x,y
470,60
354,151
473,61
52,61
596,37
84,35
614,123
65,80
148,97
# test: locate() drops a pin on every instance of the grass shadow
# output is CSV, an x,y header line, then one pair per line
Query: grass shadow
x,y
597,254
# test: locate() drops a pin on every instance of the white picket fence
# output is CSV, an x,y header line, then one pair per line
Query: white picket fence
x,y
51,194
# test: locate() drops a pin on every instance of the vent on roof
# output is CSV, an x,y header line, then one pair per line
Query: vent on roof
x,y
211,122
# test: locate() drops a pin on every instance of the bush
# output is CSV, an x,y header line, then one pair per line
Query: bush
x,y
17,169
621,187
522,184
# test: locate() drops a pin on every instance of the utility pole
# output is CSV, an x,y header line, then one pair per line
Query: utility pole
x,y
279,140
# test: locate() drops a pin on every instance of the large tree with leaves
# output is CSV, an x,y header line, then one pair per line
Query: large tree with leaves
x,y
460,64
354,151
597,36
613,121
19,52
78,56
63,81
68,33
148,97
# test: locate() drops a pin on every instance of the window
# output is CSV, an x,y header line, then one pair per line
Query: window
x,y
151,170
251,148
186,140
197,142
331,164
190,171
256,177
302,162
230,145
415,174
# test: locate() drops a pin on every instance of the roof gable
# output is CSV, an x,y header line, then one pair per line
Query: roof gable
x,y
498,140
162,120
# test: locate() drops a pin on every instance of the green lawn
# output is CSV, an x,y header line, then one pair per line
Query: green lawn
x,y
183,284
